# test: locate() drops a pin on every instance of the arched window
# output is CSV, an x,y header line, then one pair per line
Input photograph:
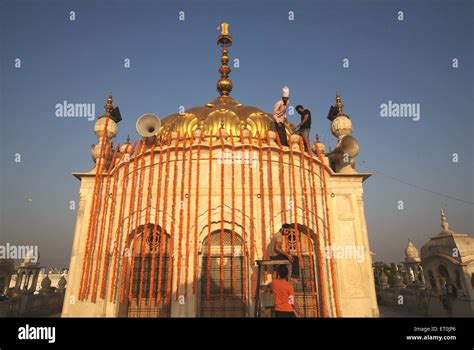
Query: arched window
x,y
458,280
443,277
31,279
21,280
432,279
151,245
147,263
443,272
419,273
225,267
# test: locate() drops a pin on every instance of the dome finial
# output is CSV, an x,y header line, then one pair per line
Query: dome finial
x,y
224,84
444,221
339,104
109,104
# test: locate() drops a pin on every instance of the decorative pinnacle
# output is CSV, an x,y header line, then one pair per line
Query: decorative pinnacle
x,y
444,221
339,104
224,84
225,29
109,105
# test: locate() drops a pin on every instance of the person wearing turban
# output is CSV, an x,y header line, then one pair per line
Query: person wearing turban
x,y
279,115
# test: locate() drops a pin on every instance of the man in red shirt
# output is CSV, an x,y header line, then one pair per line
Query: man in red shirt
x,y
284,295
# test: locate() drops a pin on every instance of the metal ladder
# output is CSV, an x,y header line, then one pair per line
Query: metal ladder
x,y
260,263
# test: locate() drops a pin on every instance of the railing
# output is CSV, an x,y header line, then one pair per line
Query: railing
x,y
32,305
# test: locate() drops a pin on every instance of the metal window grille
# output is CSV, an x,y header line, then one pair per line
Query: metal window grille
x,y
229,303
146,308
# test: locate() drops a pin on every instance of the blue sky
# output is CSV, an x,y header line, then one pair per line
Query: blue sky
x,y
174,63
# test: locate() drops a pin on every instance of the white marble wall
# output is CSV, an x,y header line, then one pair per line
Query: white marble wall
x,y
354,279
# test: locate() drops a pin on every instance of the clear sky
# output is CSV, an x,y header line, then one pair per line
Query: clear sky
x,y
174,63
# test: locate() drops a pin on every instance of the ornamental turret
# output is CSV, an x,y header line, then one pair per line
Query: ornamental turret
x,y
347,148
105,128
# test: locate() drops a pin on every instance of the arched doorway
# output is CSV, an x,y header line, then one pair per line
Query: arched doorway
x,y
432,280
223,302
146,274
443,276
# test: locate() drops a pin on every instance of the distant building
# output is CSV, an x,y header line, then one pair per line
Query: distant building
x,y
54,274
437,282
30,292
7,268
448,261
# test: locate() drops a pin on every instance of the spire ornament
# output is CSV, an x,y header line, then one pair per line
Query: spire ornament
x,y
339,104
224,84
444,221
125,148
109,105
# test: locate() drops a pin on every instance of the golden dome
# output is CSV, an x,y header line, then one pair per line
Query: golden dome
x,y
223,112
